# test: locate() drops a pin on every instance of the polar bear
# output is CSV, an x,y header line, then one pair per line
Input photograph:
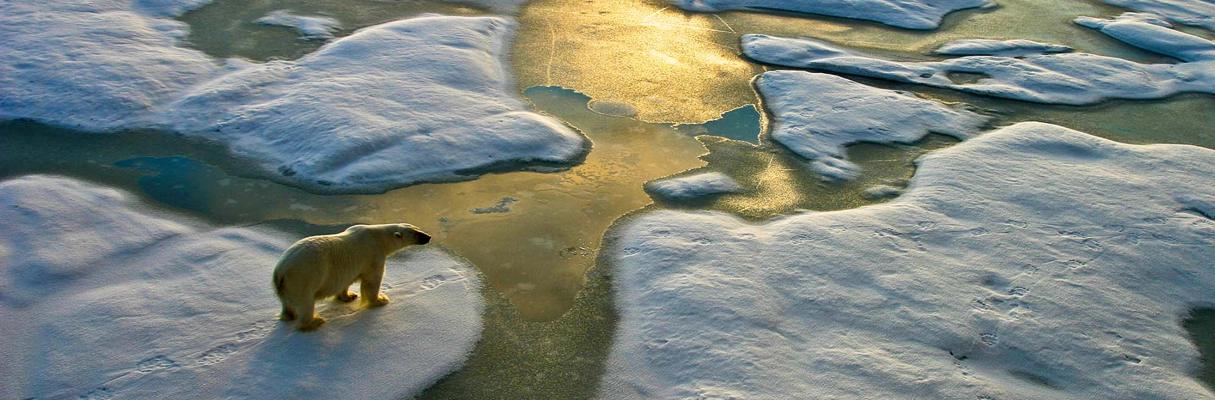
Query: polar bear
x,y
321,266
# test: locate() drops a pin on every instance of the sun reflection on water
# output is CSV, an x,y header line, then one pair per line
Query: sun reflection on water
x,y
670,65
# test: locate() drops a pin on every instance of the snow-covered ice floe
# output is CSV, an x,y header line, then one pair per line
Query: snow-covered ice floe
x,y
1032,262
421,99
817,115
308,26
1069,78
991,47
1199,13
103,298
910,14
1149,32
691,187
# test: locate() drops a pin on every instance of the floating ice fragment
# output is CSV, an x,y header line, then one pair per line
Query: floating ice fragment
x,y
691,187
910,14
817,115
1188,12
309,27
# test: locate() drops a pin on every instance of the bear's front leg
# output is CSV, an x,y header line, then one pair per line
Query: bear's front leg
x,y
347,296
369,286
308,320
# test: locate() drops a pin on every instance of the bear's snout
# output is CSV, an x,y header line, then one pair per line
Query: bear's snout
x,y
422,237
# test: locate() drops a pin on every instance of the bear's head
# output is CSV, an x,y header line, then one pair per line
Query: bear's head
x,y
392,236
410,235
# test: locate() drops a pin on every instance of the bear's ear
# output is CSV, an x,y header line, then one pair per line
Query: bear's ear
x,y
397,234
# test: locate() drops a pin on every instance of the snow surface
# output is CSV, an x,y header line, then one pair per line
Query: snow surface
x,y
1069,78
817,115
910,14
693,187
309,27
1007,48
422,99
1013,268
93,65
1188,12
104,298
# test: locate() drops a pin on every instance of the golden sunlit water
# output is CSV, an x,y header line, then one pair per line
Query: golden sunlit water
x,y
670,65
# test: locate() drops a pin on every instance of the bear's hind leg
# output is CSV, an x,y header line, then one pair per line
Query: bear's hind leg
x,y
287,314
307,317
346,296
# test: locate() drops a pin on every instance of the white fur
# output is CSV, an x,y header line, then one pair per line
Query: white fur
x,y
322,266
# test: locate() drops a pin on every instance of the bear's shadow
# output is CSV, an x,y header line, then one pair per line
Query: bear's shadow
x,y
291,357
404,338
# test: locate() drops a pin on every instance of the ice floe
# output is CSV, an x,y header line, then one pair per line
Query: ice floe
x,y
1029,262
104,298
910,14
1007,48
422,99
1148,32
1068,78
308,26
816,115
692,187
1199,13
